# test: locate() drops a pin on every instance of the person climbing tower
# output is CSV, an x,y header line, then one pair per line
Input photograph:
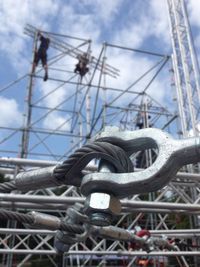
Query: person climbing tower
x,y
41,54
81,66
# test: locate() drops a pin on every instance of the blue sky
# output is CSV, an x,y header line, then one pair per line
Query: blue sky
x,y
140,24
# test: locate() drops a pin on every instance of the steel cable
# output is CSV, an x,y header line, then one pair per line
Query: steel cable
x,y
74,165
16,216
72,228
29,219
7,187
113,150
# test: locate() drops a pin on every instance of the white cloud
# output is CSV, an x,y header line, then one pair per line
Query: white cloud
x,y
153,22
103,9
10,114
13,17
80,25
15,14
194,11
159,24
133,35
56,122
52,97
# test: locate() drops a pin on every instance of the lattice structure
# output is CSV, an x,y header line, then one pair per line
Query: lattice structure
x,y
185,66
86,106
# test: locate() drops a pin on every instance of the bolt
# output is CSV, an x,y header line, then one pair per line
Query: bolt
x,y
100,208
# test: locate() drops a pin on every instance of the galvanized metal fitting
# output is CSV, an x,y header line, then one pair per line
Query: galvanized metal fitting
x,y
172,155
46,221
36,179
100,208
63,242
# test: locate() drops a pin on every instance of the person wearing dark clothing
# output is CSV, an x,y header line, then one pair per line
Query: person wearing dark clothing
x,y
41,54
81,66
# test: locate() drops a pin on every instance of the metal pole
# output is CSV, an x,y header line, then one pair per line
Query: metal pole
x,y
183,233
25,135
101,253
136,50
125,203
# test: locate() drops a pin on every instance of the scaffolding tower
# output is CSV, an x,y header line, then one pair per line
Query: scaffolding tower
x,y
82,108
186,69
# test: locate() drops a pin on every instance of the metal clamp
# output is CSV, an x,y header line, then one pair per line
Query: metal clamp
x,y
172,155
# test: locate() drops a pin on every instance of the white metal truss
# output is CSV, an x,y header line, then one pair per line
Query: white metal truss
x,y
185,67
86,120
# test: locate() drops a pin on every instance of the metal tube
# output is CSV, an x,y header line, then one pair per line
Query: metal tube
x,y
36,179
176,231
162,205
28,162
40,199
62,207
28,251
137,50
33,206
7,170
102,253
136,253
125,203
26,231
183,233
46,163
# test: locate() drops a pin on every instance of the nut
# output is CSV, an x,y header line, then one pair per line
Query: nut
x,y
100,207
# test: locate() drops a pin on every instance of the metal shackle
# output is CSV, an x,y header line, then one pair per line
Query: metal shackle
x,y
172,155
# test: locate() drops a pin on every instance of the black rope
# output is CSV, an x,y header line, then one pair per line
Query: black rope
x,y
125,145
111,149
29,219
74,165
16,216
72,228
7,187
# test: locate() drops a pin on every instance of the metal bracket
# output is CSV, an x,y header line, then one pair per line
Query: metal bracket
x,y
172,155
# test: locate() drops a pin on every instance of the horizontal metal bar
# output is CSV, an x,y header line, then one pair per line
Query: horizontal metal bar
x,y
160,205
95,86
102,253
176,231
30,27
125,203
27,251
62,208
184,233
40,199
42,130
34,206
167,113
136,253
46,163
7,170
137,50
67,36
28,162
156,210
26,231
